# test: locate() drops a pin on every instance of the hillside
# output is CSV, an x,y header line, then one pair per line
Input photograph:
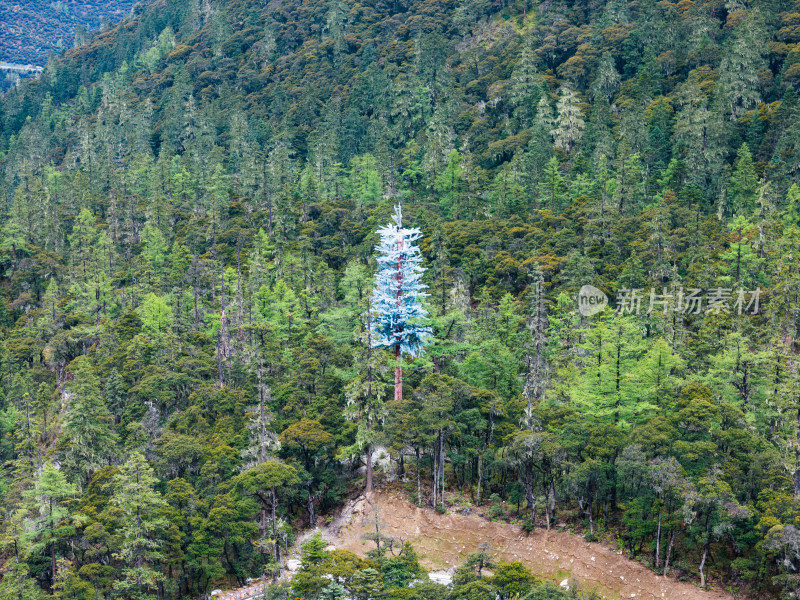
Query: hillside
x,y
213,310
30,31
444,542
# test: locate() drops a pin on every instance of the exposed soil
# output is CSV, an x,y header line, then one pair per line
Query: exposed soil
x,y
443,541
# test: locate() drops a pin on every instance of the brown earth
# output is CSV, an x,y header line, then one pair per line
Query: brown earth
x,y
443,541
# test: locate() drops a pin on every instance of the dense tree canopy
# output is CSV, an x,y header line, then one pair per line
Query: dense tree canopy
x,y
189,209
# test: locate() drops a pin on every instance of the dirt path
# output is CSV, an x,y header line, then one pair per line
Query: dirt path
x,y
444,540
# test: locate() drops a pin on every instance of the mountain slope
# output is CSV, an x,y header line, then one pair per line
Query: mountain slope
x,y
188,214
31,30
444,541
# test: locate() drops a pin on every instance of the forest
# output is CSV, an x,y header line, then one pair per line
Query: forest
x,y
31,30
190,214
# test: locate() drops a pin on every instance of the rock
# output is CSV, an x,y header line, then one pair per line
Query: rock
x,y
441,577
293,565
565,584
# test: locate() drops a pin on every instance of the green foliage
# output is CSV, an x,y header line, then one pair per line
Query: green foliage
x,y
51,495
399,571
190,205
314,552
156,315
88,440
512,579
139,504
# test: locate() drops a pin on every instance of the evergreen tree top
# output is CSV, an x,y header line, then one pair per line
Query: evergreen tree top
x,y
398,314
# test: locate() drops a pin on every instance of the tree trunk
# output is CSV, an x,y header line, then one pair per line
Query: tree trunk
x,y
274,507
419,479
617,378
262,525
398,375
480,475
53,563
706,545
312,518
702,565
587,511
669,552
658,541
369,469
797,459
549,501
441,467
547,506
219,359
52,548
435,475
529,498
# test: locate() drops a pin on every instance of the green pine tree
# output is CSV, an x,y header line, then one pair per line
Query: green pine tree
x,y
88,441
141,507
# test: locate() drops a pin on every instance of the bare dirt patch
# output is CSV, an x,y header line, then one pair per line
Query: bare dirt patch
x,y
443,541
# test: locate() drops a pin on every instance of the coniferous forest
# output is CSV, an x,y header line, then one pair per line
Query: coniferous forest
x,y
31,30
194,358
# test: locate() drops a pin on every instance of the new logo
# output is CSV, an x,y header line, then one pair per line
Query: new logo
x,y
591,300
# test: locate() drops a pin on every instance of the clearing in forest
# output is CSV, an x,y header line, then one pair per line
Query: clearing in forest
x,y
444,541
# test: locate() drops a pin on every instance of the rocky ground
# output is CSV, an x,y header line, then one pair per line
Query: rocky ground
x,y
444,541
